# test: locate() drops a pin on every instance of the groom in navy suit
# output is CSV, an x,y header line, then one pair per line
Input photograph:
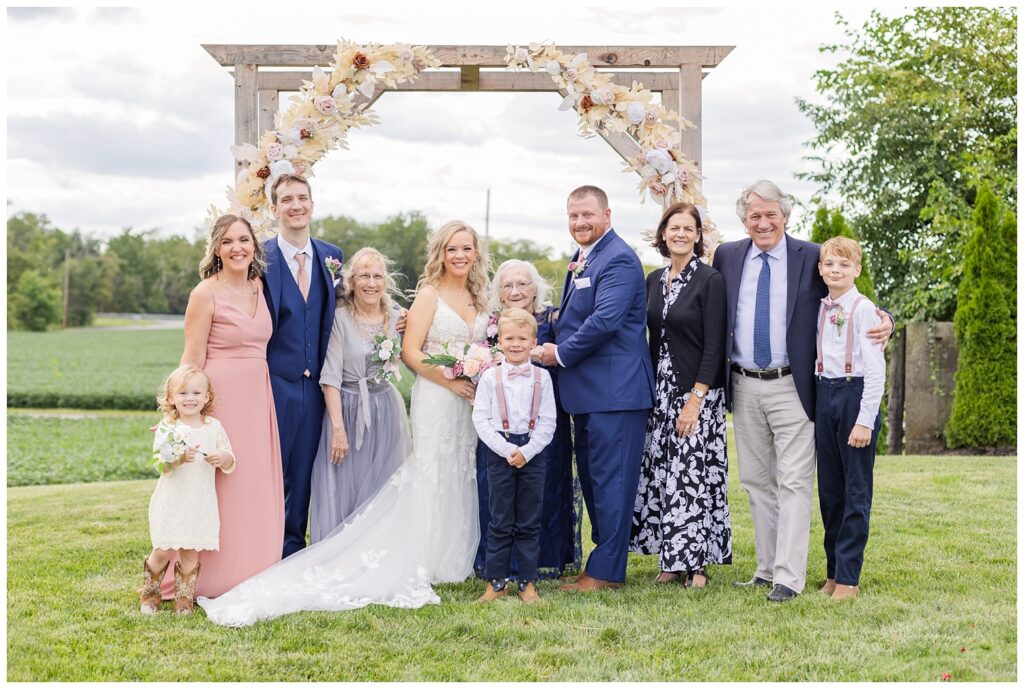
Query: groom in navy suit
x,y
606,381
300,291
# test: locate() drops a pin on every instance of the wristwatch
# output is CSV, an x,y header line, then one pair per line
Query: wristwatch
x,y
700,395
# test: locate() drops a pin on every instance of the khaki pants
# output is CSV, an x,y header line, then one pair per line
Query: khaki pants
x,y
775,444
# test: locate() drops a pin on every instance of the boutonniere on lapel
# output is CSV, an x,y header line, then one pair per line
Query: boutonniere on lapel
x,y
577,267
838,320
334,268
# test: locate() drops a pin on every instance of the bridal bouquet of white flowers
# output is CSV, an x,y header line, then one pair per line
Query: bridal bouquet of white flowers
x,y
170,445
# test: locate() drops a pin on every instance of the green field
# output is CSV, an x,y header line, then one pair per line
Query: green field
x,y
97,369
938,596
83,368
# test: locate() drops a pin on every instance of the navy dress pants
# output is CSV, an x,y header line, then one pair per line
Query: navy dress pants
x,y
300,415
844,476
609,450
516,502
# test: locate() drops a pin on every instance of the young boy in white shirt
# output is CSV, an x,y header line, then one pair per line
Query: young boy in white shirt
x,y
850,372
514,415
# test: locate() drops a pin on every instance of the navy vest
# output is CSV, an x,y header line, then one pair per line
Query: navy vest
x,y
297,339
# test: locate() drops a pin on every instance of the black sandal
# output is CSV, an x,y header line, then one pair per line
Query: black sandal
x,y
700,572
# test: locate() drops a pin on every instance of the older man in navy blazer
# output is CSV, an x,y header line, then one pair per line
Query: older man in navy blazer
x,y
773,292
300,291
605,380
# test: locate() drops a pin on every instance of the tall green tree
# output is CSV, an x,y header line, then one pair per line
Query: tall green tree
x,y
985,402
35,303
918,109
135,285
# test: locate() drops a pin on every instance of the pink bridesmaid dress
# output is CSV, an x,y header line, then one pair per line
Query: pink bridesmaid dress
x,y
251,499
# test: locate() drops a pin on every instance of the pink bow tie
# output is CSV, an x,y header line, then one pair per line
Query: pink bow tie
x,y
829,304
513,372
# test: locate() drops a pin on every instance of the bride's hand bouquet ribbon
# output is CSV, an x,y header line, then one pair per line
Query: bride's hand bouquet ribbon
x,y
476,357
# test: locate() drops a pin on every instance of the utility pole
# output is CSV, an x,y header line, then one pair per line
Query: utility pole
x,y
67,285
487,220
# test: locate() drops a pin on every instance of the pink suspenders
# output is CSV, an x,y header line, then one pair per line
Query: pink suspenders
x,y
499,390
819,364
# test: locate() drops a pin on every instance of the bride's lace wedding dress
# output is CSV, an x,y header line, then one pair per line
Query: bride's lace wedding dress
x,y
420,528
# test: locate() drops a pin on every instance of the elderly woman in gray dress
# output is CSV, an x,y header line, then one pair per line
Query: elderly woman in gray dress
x,y
365,434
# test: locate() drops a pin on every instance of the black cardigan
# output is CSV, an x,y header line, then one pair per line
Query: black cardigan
x,y
696,327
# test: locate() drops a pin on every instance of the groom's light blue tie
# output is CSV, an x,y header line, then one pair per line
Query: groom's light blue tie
x,y
762,316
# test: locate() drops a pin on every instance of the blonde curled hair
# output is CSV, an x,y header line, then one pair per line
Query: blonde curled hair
x,y
346,291
433,271
174,382
211,263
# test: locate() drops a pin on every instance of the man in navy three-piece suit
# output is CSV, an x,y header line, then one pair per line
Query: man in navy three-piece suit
x,y
300,291
605,381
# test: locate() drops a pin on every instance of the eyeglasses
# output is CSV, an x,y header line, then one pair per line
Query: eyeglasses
x,y
521,286
367,277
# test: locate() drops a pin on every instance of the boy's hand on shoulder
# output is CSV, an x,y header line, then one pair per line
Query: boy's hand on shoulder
x,y
860,436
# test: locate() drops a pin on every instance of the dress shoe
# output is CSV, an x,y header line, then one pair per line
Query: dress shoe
x,y
573,578
754,581
589,583
781,594
669,577
495,590
843,592
527,591
829,587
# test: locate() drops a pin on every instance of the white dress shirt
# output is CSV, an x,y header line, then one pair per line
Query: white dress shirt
x,y
518,404
289,253
743,332
868,359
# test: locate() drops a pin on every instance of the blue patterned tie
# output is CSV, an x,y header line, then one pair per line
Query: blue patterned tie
x,y
762,316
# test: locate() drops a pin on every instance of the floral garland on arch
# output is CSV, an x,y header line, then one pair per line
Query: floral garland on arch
x,y
317,122
604,106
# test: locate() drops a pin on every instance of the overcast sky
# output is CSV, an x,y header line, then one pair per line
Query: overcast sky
x,y
118,117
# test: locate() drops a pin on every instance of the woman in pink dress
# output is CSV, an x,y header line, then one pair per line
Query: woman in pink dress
x,y
227,326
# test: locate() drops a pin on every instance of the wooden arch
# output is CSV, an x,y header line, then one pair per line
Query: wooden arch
x,y
674,71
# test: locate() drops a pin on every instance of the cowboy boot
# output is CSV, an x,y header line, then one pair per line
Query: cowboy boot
x,y
149,594
528,592
184,589
496,588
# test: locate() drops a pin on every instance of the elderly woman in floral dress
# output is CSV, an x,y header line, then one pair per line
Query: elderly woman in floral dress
x,y
365,434
517,284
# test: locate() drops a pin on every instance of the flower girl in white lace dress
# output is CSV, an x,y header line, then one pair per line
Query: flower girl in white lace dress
x,y
189,447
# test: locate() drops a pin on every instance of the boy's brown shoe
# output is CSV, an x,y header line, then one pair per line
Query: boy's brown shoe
x,y
843,592
528,592
495,590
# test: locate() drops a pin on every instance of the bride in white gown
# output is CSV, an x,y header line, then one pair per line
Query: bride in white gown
x,y
422,526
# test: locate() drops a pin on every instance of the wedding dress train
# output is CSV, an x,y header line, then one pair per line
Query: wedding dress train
x,y
420,528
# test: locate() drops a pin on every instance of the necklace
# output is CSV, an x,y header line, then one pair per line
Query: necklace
x,y
247,291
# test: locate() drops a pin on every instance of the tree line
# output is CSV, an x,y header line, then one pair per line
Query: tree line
x,y
143,272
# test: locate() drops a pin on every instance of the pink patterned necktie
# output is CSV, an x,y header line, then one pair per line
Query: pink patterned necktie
x,y
302,277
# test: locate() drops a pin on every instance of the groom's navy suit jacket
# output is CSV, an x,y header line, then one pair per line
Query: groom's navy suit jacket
x,y
285,356
804,292
601,334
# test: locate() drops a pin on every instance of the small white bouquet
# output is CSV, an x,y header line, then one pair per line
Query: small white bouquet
x,y
386,350
170,444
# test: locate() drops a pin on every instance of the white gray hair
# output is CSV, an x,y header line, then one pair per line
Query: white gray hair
x,y
767,190
540,301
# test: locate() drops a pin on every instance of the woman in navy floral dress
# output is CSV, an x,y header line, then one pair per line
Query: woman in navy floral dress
x,y
681,511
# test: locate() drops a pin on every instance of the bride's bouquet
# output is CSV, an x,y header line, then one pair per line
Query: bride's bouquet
x,y
476,357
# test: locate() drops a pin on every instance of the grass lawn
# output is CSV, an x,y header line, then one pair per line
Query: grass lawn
x,y
99,369
938,596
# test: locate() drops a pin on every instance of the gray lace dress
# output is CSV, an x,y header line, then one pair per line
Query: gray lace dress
x,y
375,422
